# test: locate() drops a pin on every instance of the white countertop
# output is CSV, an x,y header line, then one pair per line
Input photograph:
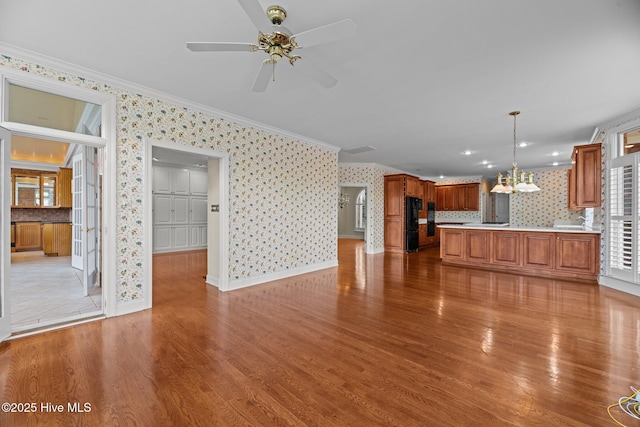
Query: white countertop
x,y
480,226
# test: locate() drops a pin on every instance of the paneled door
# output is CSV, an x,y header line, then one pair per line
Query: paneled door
x,y
83,254
5,233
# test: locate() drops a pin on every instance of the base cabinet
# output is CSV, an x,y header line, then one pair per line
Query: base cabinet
x,y
170,238
56,239
28,236
549,254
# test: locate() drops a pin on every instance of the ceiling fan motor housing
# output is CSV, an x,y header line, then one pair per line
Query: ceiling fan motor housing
x,y
276,14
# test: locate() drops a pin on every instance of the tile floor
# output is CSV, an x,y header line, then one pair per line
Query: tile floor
x,y
47,290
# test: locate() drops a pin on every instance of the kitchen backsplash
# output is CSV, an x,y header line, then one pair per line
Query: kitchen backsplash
x,y
42,215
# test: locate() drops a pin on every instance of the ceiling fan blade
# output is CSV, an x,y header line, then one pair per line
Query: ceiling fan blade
x,y
312,70
257,15
327,33
264,75
220,47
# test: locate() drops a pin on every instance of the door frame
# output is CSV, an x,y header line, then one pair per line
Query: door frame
x,y
222,281
5,236
368,234
107,141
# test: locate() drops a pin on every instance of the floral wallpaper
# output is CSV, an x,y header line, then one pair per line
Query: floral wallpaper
x,y
542,208
374,176
282,191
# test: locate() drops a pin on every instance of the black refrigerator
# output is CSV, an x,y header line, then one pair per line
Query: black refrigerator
x,y
412,205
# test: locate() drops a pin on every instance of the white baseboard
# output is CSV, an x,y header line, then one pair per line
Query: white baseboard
x,y
351,236
377,250
620,285
256,280
129,307
213,281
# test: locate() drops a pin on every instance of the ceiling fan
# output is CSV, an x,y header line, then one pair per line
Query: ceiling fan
x,y
278,42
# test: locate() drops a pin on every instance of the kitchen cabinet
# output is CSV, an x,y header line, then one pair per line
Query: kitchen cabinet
x,y
198,236
169,209
458,197
576,253
538,250
28,236
56,239
198,183
478,246
585,177
540,253
452,244
422,235
413,186
64,195
506,248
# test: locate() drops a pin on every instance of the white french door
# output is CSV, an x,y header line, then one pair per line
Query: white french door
x,y
84,254
77,185
5,233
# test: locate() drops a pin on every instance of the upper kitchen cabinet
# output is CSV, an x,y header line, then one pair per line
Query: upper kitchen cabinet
x,y
64,195
414,186
585,177
34,189
458,197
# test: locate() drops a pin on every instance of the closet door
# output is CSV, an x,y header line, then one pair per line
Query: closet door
x,y
180,210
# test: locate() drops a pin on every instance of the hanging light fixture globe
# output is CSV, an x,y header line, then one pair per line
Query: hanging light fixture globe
x,y
515,182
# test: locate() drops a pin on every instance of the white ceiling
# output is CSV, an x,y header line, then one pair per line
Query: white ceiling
x,y
422,81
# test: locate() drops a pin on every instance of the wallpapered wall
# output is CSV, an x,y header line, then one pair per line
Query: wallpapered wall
x,y
282,191
541,208
374,176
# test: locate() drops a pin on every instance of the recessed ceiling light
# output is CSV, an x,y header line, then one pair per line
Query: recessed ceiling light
x,y
555,153
523,144
441,176
155,159
484,162
555,163
489,166
466,152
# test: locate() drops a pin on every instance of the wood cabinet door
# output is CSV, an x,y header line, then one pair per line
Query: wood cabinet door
x,y
440,199
506,248
538,250
422,213
422,235
478,246
471,197
393,196
28,236
452,244
63,188
430,192
413,186
394,234
587,175
577,253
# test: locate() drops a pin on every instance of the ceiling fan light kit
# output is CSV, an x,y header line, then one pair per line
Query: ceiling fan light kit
x,y
280,43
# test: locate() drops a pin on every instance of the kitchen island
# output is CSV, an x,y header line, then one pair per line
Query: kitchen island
x,y
571,253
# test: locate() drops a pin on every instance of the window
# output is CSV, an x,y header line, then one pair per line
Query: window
x,y
361,211
624,209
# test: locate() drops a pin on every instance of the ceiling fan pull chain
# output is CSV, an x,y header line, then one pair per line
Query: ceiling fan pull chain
x,y
274,72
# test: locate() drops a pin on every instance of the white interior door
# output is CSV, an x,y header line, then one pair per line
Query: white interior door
x,y
5,233
89,256
502,207
77,186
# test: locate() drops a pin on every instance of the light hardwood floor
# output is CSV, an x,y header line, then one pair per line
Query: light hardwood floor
x,y
47,290
386,339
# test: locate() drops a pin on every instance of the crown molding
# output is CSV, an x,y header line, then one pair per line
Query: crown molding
x,y
76,70
370,165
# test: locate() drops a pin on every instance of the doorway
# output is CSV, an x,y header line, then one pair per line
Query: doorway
x,y
354,213
204,224
47,123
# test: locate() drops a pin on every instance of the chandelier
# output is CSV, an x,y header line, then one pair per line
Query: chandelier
x,y
343,200
516,181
